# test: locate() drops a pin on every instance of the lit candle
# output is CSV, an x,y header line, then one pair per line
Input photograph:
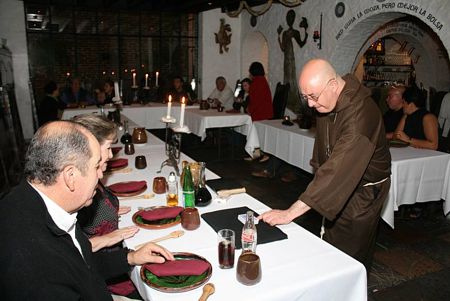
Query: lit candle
x,y
169,106
183,106
134,79
116,90
146,80
156,81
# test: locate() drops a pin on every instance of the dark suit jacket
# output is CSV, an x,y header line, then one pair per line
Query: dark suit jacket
x,y
39,261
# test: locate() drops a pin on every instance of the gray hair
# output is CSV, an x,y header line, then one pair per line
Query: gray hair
x,y
99,126
53,147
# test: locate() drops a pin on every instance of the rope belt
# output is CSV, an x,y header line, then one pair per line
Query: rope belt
x,y
322,228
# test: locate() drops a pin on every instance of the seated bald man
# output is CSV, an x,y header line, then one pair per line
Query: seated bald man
x,y
45,255
351,160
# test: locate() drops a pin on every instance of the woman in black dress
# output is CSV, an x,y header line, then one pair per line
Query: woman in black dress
x,y
418,127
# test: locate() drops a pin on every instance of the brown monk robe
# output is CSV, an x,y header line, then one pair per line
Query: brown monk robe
x,y
351,158
358,154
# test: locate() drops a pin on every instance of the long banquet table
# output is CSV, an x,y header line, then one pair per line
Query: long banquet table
x,y
418,175
302,267
149,116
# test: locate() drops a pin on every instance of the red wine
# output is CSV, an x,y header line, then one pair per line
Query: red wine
x,y
126,138
202,197
226,255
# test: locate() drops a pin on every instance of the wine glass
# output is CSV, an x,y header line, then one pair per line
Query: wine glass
x,y
210,101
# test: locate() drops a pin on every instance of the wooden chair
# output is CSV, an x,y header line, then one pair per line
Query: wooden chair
x,y
280,100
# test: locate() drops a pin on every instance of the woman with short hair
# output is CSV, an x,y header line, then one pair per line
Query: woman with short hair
x,y
418,127
100,220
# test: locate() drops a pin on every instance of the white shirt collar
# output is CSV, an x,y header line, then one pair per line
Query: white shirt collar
x,y
64,220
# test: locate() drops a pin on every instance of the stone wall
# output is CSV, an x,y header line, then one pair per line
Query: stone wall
x,y
344,38
213,63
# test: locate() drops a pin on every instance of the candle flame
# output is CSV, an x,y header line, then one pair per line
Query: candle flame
x,y
157,73
183,101
170,98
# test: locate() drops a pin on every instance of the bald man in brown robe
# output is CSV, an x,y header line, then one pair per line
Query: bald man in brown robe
x,y
351,160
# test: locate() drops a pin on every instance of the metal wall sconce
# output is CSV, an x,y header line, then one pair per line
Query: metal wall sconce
x,y
317,36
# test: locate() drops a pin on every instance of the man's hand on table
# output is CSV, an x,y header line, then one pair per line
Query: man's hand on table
x,y
149,253
281,217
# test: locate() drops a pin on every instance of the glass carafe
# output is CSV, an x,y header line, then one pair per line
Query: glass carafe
x,y
126,137
202,195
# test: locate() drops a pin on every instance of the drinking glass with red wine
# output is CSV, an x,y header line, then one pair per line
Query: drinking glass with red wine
x,y
226,246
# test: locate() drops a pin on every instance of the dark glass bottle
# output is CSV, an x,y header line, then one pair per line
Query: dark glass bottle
x,y
202,195
188,188
126,137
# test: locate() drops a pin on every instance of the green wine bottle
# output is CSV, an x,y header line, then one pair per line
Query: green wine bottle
x,y
188,188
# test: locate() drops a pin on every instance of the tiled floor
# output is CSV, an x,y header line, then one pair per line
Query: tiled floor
x,y
411,262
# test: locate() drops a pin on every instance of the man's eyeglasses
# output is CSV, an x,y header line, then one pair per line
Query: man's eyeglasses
x,y
313,97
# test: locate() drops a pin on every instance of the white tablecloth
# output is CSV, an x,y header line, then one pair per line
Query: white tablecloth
x,y
149,116
302,267
199,120
418,175
289,143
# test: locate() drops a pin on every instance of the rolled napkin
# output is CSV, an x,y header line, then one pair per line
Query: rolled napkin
x,y
178,267
125,187
117,163
116,149
161,213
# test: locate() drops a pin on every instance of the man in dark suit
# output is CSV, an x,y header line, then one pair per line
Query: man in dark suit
x,y
44,254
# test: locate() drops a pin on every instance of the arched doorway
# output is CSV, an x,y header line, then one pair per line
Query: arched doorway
x,y
254,49
426,49
431,49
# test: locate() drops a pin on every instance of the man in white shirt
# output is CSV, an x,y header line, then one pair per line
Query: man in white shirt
x,y
444,122
42,243
222,94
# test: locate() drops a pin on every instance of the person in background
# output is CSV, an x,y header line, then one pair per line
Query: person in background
x,y
100,221
38,222
75,95
50,105
108,87
395,102
418,127
243,98
178,91
444,123
351,159
105,94
222,94
260,106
